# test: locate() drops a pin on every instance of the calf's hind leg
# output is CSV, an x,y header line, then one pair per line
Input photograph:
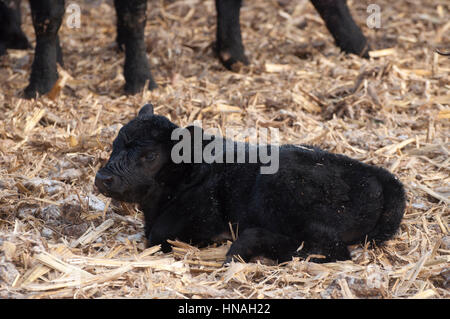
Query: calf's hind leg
x,y
322,239
256,242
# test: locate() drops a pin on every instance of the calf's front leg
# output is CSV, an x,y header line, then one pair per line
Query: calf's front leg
x,y
195,224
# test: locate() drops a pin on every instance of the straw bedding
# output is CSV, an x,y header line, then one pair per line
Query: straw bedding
x,y
61,238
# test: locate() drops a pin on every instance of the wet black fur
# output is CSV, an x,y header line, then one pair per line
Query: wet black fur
x,y
325,201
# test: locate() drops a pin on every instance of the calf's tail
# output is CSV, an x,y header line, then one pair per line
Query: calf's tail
x,y
394,207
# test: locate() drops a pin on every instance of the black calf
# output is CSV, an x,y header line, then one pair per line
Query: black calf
x,y
317,200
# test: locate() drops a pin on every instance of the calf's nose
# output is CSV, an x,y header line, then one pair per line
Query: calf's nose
x,y
103,182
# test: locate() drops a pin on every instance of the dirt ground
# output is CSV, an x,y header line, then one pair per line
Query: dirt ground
x,y
61,239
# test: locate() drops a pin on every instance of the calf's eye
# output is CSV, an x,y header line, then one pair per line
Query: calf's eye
x,y
150,156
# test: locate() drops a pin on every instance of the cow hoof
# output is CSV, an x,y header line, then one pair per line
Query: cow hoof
x,y
233,62
137,87
32,90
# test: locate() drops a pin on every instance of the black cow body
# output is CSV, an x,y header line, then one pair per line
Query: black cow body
x,y
47,16
323,200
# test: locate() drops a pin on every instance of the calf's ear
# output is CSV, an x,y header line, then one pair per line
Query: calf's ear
x,y
147,109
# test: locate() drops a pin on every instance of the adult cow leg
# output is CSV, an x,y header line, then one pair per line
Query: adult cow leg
x,y
131,19
47,16
229,47
11,35
14,5
339,21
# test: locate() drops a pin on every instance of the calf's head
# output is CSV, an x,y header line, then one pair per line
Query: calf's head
x,y
140,151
